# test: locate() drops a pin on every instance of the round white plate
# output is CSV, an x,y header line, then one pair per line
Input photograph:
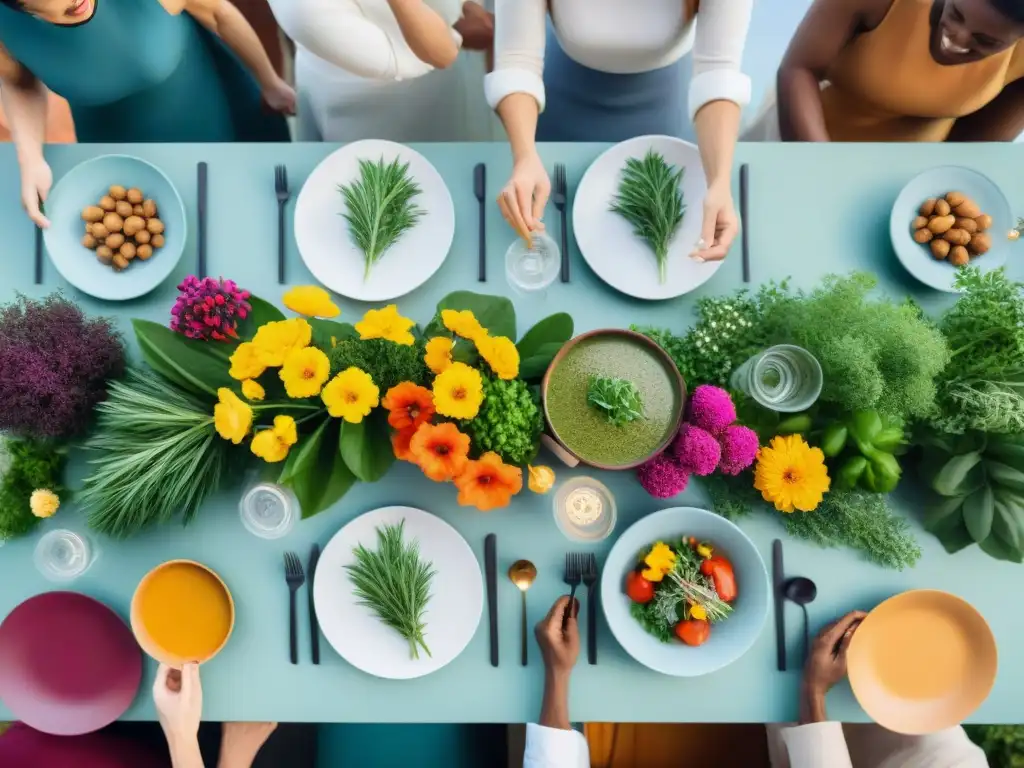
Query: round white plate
x,y
323,237
607,241
453,611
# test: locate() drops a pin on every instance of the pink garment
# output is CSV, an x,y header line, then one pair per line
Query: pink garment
x,y
23,747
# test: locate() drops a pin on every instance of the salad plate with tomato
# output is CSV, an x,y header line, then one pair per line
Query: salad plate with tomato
x,y
685,591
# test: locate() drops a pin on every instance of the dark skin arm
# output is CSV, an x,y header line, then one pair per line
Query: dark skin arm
x,y
826,29
826,666
560,649
1002,119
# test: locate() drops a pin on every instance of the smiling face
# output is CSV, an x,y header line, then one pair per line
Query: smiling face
x,y
63,12
968,30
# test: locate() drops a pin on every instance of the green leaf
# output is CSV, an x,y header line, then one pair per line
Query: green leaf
x,y
557,328
324,479
1005,475
995,547
865,425
303,454
327,332
200,367
952,477
1009,449
534,367
935,514
1007,525
495,313
979,509
952,534
366,447
262,312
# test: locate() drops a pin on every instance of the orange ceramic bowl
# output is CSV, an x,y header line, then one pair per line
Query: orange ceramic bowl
x,y
922,661
182,612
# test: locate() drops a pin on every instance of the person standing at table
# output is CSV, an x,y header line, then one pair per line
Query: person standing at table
x,y
389,69
610,70
134,71
900,70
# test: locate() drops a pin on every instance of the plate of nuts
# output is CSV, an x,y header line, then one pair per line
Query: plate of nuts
x,y
117,227
947,218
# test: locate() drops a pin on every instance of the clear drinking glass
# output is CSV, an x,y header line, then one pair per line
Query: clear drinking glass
x,y
532,268
268,510
783,378
585,509
63,555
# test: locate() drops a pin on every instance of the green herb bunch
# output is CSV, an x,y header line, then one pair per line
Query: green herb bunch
x,y
650,199
982,387
379,207
387,363
686,585
26,465
1003,744
618,399
509,421
394,582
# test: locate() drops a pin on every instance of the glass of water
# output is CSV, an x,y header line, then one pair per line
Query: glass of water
x,y
783,378
63,555
531,268
268,510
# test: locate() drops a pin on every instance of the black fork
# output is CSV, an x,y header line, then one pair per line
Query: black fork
x,y
283,195
560,197
573,577
590,581
296,578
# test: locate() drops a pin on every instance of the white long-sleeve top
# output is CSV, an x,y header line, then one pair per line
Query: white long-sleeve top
x,y
555,748
623,37
823,745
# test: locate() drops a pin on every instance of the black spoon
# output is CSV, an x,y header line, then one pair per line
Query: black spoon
x,y
802,591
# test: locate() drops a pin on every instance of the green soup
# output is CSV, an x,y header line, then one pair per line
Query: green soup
x,y
584,429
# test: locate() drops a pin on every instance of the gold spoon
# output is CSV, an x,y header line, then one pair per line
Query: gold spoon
x,y
522,573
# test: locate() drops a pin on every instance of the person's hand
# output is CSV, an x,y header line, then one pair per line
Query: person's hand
x,y
178,697
523,199
36,180
476,27
280,97
240,743
720,224
560,648
826,663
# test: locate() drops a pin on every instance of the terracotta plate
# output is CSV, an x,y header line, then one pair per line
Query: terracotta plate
x,y
922,661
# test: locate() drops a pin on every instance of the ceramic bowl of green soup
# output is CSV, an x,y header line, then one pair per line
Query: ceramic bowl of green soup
x,y
613,398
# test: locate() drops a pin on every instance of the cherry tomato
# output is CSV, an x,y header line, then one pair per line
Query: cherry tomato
x,y
693,631
721,573
639,589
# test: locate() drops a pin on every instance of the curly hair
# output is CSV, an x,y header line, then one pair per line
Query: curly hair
x,y
1011,9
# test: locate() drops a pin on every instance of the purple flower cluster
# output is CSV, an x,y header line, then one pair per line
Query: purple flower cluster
x,y
54,366
710,440
209,309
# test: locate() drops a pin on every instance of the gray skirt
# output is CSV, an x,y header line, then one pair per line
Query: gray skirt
x,y
584,104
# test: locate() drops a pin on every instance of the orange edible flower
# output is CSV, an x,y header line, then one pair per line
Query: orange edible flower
x,y
409,405
488,483
400,444
441,451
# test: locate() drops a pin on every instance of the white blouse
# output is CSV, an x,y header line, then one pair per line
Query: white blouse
x,y
623,37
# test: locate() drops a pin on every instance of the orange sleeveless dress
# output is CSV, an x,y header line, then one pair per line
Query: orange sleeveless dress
x,y
885,86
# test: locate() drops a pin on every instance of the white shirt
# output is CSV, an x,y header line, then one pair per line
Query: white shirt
x,y
623,37
823,745
555,748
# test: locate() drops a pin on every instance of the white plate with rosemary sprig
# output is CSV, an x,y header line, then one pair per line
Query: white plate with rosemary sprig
x,y
363,249
641,176
398,593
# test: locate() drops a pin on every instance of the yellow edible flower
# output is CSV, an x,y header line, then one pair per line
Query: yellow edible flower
x,y
272,445
698,612
458,391
311,301
253,390
231,417
438,354
501,354
304,372
246,362
386,324
541,478
43,502
351,395
704,550
274,340
659,561
791,474
462,323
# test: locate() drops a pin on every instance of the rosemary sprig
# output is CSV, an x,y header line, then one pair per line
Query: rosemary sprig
x,y
651,201
618,399
394,582
379,207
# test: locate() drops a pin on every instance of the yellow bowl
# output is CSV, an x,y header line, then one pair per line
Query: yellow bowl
x,y
182,611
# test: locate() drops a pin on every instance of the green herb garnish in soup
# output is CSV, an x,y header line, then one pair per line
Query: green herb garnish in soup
x,y
618,399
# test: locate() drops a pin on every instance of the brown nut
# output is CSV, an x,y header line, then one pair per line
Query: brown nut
x,y
919,222
118,192
969,225
955,198
138,210
135,196
144,251
89,241
958,256
123,209
114,240
92,213
149,208
157,241
134,224
940,224
940,248
107,203
120,262
941,208
927,207
104,254
142,236
968,209
984,221
155,226
979,243
128,251
113,222
957,236
99,231
923,235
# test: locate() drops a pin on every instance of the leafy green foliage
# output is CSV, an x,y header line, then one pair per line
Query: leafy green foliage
x,y
651,620
1003,744
379,207
394,582
387,363
366,447
495,313
541,343
316,470
509,422
982,388
650,199
25,465
618,399
686,585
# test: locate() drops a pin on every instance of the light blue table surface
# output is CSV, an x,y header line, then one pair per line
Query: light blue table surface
x,y
815,209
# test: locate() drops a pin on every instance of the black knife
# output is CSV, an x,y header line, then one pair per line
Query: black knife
x,y
314,625
778,582
201,228
491,569
480,190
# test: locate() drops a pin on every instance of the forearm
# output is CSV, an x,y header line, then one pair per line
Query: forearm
x,y
812,705
801,115
24,103
554,710
235,758
184,752
228,23
518,113
717,125
426,33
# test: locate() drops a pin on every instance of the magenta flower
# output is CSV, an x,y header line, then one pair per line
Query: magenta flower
x,y
209,309
662,477
711,409
739,449
696,450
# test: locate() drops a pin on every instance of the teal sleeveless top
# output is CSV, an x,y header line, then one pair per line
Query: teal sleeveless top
x,y
135,73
